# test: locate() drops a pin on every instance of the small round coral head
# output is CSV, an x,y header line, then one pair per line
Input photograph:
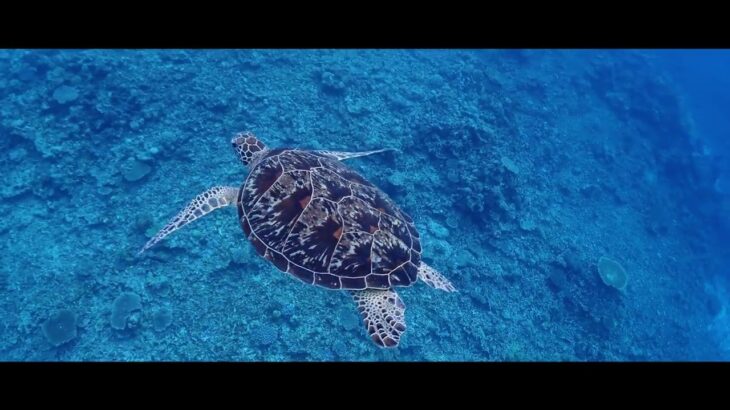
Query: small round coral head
x,y
60,327
612,273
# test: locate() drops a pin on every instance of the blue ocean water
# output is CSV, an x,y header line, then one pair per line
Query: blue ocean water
x,y
579,200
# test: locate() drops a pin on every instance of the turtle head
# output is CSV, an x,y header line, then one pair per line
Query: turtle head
x,y
248,147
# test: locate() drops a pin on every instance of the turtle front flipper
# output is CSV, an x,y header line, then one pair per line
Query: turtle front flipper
x,y
434,279
383,312
208,201
341,155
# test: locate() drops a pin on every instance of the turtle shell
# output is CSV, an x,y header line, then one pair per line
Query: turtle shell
x,y
322,222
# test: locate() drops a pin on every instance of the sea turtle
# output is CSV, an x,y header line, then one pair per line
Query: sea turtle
x,y
323,223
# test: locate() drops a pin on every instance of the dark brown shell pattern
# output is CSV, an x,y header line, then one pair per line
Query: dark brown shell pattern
x,y
323,223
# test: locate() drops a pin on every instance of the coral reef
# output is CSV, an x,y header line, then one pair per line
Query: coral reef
x,y
161,319
612,273
264,334
519,168
123,309
65,94
60,328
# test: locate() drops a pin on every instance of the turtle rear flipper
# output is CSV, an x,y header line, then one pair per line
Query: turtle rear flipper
x,y
434,279
341,155
383,312
208,201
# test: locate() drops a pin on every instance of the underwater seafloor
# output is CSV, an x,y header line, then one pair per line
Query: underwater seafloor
x,y
521,169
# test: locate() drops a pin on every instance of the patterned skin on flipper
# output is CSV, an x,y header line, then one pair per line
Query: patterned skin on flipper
x,y
433,278
210,200
325,219
383,313
344,155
